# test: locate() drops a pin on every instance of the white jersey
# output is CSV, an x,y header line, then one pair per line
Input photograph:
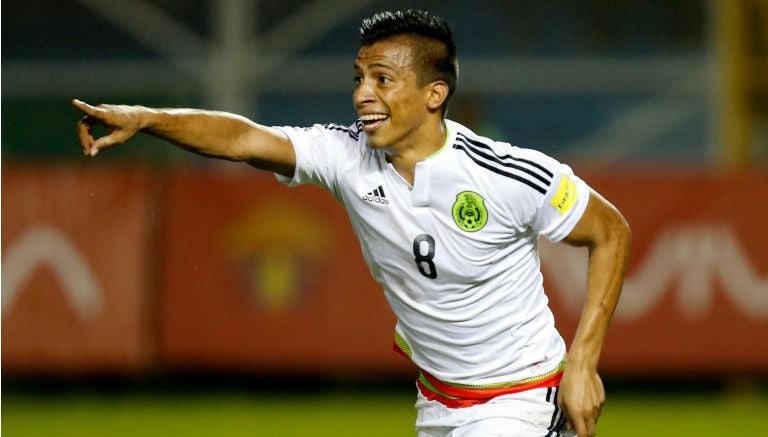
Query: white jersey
x,y
456,253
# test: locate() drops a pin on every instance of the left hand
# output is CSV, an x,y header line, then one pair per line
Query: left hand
x,y
581,397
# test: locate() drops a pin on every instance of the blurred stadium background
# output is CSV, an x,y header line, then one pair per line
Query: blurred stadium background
x,y
153,292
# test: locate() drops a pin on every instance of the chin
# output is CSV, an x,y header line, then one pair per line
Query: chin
x,y
376,144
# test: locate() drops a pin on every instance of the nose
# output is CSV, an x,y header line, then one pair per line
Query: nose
x,y
363,94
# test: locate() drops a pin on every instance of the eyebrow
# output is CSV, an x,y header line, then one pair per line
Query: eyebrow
x,y
356,66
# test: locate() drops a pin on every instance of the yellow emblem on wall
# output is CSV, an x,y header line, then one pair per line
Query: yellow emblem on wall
x,y
280,249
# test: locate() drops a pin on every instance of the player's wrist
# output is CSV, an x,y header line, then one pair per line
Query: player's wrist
x,y
150,118
583,358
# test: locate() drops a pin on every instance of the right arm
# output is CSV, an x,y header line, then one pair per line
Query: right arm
x,y
210,133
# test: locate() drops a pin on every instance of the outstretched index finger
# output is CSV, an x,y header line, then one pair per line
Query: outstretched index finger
x,y
86,108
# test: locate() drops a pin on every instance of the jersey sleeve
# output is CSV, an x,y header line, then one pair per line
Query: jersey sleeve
x,y
319,150
562,205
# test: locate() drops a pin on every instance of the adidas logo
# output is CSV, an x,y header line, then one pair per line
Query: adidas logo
x,y
377,196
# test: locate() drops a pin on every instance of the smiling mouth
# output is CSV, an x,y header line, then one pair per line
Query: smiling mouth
x,y
372,121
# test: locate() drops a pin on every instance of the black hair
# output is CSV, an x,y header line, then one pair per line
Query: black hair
x,y
435,54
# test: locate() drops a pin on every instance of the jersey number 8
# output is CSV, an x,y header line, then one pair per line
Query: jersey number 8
x,y
424,260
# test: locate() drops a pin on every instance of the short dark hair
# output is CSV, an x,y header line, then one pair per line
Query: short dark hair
x,y
435,54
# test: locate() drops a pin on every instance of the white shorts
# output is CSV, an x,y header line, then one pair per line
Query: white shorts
x,y
529,413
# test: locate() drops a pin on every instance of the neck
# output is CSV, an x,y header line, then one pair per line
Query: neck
x,y
404,159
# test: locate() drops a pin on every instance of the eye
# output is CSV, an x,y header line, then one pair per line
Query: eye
x,y
384,80
357,80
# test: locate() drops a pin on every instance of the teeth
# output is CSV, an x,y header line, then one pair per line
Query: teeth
x,y
372,117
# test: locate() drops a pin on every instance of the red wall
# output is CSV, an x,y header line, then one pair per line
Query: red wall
x,y
231,271
75,274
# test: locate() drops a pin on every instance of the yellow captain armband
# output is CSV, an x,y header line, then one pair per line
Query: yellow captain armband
x,y
565,196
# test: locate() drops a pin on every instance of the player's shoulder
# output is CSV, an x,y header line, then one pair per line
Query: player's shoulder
x,y
526,165
332,132
332,138
468,139
352,132
351,138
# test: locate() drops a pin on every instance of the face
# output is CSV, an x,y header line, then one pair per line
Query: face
x,y
389,101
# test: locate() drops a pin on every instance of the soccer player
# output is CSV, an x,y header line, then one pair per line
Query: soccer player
x,y
448,222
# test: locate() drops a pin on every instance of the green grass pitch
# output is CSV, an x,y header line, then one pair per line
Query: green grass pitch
x,y
343,414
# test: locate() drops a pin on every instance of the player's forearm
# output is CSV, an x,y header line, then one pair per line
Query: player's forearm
x,y
211,133
608,258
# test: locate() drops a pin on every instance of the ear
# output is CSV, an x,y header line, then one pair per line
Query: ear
x,y
438,92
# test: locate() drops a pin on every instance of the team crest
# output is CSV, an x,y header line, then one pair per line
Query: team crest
x,y
469,211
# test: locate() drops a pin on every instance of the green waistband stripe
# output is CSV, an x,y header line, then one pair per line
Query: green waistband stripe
x,y
510,384
423,379
403,345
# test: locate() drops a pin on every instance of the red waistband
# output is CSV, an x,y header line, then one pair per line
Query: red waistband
x,y
464,395
459,397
